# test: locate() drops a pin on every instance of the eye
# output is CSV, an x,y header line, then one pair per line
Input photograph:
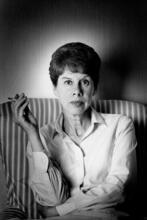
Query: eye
x,y
68,82
86,82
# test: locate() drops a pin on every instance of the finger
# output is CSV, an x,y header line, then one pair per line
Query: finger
x,y
19,97
19,115
19,102
12,99
23,107
18,105
16,96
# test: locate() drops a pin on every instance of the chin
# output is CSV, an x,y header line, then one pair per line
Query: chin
x,y
76,111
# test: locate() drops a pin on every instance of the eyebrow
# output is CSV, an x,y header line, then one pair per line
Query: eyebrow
x,y
65,77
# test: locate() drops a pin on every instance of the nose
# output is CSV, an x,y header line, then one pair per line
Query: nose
x,y
78,90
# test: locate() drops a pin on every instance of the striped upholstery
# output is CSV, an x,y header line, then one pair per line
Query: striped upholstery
x,y
12,213
13,143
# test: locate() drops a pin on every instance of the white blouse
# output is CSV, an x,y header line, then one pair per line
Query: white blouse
x,y
100,163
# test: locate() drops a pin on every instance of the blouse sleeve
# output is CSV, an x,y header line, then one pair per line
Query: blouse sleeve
x,y
39,182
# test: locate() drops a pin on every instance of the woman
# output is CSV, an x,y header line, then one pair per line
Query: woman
x,y
83,161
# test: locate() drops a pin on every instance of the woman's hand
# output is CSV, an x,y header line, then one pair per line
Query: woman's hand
x,y
47,211
22,114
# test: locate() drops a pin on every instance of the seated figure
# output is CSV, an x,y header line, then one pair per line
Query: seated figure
x,y
82,162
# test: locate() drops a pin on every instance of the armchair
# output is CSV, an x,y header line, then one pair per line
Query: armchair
x,y
13,141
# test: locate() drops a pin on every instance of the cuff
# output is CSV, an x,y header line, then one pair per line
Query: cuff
x,y
65,208
40,161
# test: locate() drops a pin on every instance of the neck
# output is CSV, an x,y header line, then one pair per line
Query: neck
x,y
76,124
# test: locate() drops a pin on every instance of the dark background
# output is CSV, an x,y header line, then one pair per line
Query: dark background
x,y
31,30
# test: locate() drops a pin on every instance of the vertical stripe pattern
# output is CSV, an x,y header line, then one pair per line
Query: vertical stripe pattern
x,y
13,141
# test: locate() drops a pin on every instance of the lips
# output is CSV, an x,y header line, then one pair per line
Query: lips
x,y
77,103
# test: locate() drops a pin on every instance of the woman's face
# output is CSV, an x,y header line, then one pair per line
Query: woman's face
x,y
75,91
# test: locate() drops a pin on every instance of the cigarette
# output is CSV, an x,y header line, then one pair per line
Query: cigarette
x,y
12,99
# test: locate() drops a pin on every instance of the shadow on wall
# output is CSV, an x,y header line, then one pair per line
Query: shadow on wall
x,y
115,71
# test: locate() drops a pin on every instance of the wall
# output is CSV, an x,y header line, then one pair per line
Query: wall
x,y
32,30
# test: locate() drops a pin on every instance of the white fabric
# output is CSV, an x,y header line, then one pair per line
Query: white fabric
x,y
101,162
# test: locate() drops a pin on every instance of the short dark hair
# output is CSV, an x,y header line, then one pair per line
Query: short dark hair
x,y
78,57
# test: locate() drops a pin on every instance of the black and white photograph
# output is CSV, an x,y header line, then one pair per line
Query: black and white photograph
x,y
73,110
